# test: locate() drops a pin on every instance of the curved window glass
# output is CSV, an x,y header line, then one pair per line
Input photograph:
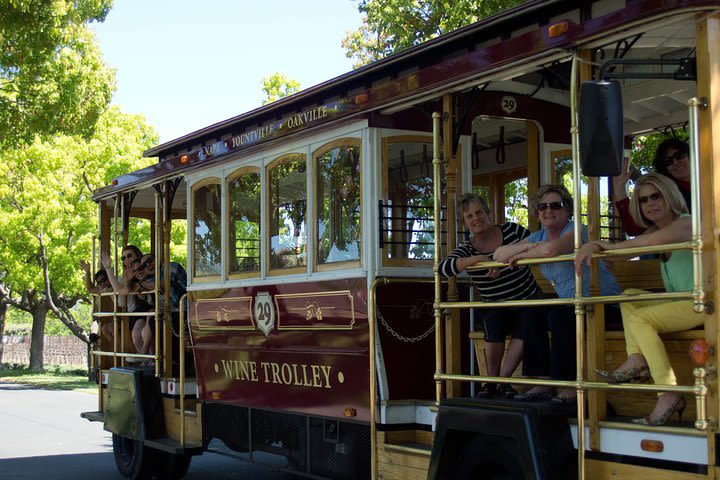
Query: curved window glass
x,y
287,199
338,208
244,225
206,230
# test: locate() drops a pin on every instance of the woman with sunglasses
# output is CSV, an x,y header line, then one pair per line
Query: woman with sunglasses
x,y
129,289
553,205
671,160
499,284
658,206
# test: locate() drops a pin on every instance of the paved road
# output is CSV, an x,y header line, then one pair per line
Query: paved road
x,y
43,437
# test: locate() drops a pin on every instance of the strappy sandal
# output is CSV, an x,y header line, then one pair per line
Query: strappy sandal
x,y
488,390
507,391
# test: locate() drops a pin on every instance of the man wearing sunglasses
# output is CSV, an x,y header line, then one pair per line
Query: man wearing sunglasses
x,y
671,160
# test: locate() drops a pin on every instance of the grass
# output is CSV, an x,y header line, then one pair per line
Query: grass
x,y
53,378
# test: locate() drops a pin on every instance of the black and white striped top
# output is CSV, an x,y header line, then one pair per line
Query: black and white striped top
x,y
512,283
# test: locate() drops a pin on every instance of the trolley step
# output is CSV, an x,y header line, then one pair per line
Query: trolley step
x,y
93,416
173,446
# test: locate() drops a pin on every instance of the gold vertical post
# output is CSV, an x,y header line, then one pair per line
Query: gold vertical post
x,y
372,321
579,308
437,191
156,240
182,369
694,105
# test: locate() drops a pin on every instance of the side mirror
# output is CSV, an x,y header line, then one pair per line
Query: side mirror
x,y
600,124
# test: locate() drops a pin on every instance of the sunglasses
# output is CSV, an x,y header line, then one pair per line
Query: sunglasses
x,y
679,155
127,257
653,196
551,206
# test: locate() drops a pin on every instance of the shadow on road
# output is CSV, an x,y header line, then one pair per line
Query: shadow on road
x,y
79,466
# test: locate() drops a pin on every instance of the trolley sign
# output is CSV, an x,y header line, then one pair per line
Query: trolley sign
x,y
264,312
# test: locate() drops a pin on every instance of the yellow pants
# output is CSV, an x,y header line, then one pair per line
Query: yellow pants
x,y
643,321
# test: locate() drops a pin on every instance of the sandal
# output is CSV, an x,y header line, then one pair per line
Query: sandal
x,y
488,390
506,390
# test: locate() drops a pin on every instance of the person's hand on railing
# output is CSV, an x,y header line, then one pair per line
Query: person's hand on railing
x,y
585,253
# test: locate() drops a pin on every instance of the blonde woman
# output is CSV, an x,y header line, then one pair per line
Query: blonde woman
x,y
658,206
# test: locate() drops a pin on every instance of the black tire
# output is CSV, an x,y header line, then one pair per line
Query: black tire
x,y
134,460
169,466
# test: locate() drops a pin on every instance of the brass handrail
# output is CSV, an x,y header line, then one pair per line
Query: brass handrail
x,y
181,352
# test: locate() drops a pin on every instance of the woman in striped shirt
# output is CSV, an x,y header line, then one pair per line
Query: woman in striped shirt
x,y
529,336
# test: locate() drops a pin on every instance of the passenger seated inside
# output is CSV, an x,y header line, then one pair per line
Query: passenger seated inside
x,y
672,160
554,207
658,207
529,337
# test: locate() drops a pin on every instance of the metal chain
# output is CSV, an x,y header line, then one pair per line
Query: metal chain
x,y
400,337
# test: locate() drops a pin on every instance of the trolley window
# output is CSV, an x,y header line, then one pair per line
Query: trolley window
x,y
243,189
206,234
407,216
287,194
338,202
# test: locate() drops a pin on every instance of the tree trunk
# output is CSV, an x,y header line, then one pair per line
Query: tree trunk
x,y
37,341
3,312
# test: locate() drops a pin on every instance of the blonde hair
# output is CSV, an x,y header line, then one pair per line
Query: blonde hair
x,y
669,191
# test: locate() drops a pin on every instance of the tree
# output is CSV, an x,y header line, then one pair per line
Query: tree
x,y
48,219
278,86
52,76
390,26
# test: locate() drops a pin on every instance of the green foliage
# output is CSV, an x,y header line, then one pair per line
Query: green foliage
x,y
390,26
52,75
278,86
45,190
643,148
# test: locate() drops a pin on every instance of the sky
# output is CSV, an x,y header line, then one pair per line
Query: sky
x,y
186,64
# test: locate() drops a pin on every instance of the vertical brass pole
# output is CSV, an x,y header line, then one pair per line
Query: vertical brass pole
x,y
437,193
167,315
182,370
115,296
579,308
372,321
694,105
156,241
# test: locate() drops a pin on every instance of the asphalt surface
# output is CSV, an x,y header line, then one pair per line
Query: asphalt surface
x,y
43,437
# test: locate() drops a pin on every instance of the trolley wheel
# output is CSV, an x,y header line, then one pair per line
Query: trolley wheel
x,y
170,466
136,461
133,459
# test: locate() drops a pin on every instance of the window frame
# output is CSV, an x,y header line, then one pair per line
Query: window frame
x,y
247,169
214,180
283,158
386,141
323,149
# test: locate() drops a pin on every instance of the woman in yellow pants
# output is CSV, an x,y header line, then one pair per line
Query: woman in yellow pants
x,y
657,205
